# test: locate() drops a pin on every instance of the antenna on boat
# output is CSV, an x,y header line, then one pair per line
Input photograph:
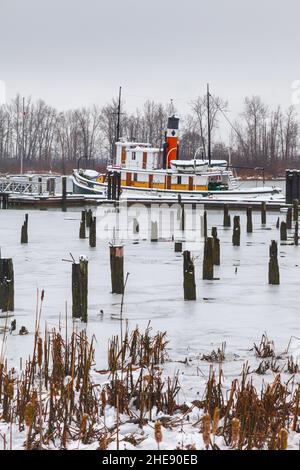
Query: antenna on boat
x,y
208,126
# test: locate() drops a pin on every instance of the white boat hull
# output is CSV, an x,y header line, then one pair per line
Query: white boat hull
x,y
85,186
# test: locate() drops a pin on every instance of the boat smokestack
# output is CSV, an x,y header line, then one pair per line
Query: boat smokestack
x,y
171,141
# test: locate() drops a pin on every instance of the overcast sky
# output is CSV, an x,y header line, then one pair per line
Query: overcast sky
x,y
77,52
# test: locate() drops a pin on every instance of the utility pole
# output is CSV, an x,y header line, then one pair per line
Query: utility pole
x,y
23,135
208,126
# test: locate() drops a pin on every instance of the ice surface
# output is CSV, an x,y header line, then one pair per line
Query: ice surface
x,y
236,309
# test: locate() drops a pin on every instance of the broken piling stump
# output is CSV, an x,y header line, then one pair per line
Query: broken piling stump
x,y
263,213
117,268
6,285
80,289
92,234
226,217
249,220
208,259
289,218
189,286
274,277
178,247
295,209
283,232
236,236
24,230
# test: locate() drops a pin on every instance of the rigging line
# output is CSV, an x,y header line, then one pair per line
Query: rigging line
x,y
156,98
230,123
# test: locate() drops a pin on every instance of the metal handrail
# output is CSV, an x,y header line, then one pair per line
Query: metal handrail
x,y
22,186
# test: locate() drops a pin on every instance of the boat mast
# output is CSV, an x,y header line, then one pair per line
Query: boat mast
x,y
119,115
117,136
23,135
208,126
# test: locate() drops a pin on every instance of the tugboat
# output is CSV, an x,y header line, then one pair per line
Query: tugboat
x,y
149,171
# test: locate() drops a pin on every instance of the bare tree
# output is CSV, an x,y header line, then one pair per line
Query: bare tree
x,y
199,108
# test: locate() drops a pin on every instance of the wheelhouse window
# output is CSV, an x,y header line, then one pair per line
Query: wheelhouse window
x,y
135,177
133,155
178,179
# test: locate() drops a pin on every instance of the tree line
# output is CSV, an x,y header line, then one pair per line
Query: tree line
x,y
51,140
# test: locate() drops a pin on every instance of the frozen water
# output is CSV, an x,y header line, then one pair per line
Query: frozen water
x,y
237,308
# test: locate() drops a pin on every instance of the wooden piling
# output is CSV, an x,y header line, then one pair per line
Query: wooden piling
x,y
283,232
208,259
82,233
51,186
296,234
189,285
92,234
289,217
40,185
249,220
178,247
117,268
64,189
88,217
136,226
4,200
182,218
6,285
295,209
216,246
236,236
274,277
80,289
226,217
154,232
263,213
24,230
205,224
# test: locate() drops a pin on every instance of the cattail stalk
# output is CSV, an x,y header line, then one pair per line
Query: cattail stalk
x,y
235,431
206,430
158,433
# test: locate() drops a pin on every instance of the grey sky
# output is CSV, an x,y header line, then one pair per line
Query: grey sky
x,y
73,53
